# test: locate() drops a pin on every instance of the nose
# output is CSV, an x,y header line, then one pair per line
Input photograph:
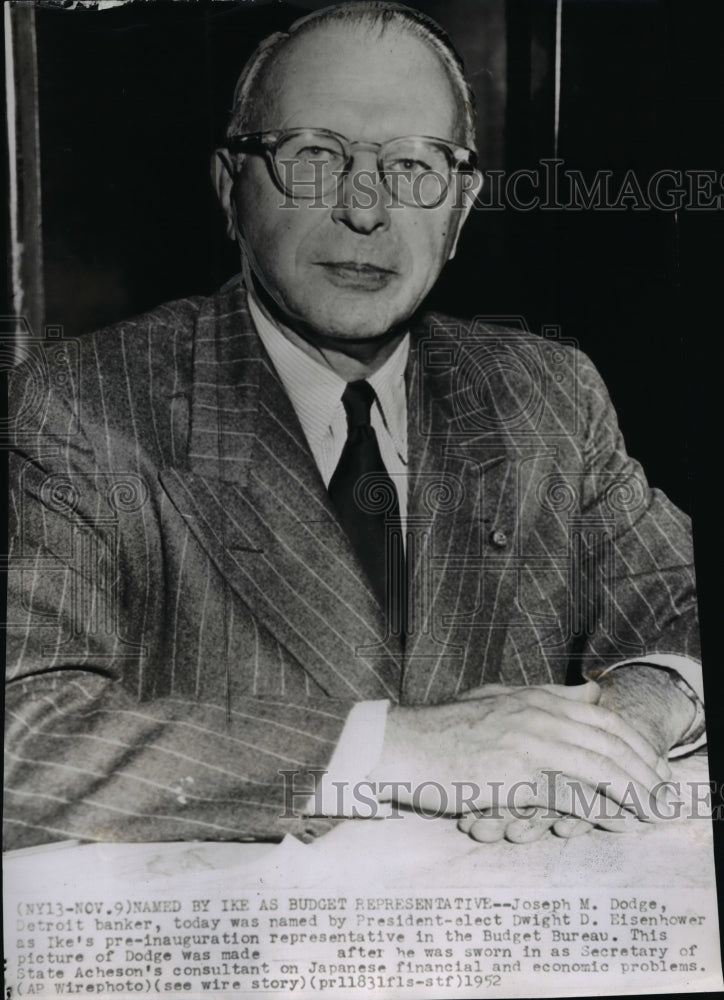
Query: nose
x,y
361,197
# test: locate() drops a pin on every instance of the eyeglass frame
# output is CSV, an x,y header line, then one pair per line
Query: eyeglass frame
x,y
460,158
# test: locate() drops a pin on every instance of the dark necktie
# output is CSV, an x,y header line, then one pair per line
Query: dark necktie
x,y
366,501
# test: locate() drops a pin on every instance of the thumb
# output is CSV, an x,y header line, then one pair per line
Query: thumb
x,y
485,691
589,692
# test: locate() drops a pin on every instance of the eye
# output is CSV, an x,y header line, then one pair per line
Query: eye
x,y
316,153
409,165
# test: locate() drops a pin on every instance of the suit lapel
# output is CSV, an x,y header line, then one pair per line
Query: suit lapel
x,y
253,497
463,519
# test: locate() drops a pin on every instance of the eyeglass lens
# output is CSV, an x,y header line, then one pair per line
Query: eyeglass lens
x,y
310,165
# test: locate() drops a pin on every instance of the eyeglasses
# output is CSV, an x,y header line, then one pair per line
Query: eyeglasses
x,y
308,163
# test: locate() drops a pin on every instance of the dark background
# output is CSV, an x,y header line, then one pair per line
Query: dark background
x,y
132,101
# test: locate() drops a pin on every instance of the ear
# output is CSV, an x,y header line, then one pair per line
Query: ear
x,y
222,177
468,190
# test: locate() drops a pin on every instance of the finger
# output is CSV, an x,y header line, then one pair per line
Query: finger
x,y
493,822
578,803
525,831
487,830
613,723
569,827
555,699
485,691
466,821
606,815
587,693
589,789
578,703
492,813
595,755
573,826
618,824
598,718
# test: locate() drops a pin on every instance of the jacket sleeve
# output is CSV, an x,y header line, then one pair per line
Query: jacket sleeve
x,y
636,546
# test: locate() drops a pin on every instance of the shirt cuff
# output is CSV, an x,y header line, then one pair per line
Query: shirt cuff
x,y
344,789
690,675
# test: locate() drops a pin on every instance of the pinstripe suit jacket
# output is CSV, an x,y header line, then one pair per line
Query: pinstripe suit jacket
x,y
187,617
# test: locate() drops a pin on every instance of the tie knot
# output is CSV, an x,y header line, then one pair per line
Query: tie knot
x,y
357,399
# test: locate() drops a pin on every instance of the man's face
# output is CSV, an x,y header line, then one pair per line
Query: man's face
x,y
346,271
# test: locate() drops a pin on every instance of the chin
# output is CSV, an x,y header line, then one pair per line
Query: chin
x,y
355,321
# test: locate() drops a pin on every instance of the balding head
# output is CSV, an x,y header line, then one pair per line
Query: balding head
x,y
370,18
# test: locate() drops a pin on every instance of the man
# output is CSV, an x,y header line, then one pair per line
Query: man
x,y
300,527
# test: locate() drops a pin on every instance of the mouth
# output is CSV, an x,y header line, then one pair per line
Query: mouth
x,y
353,274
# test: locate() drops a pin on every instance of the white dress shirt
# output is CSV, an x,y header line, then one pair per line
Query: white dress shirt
x,y
315,392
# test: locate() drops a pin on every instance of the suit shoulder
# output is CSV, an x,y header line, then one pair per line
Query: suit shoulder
x,y
514,329
103,375
523,381
178,319
159,341
507,334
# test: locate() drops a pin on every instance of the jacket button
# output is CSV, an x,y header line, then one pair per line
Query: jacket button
x,y
498,538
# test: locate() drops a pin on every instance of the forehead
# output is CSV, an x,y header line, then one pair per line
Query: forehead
x,y
361,81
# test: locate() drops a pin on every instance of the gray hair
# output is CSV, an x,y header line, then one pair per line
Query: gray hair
x,y
373,13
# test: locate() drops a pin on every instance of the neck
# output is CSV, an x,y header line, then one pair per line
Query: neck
x,y
350,359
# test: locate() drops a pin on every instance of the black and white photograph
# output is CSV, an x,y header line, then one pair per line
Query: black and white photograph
x,y
363,553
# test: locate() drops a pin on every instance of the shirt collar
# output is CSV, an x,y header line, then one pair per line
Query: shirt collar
x,y
316,391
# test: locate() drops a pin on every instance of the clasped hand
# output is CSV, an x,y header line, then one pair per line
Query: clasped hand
x,y
518,761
